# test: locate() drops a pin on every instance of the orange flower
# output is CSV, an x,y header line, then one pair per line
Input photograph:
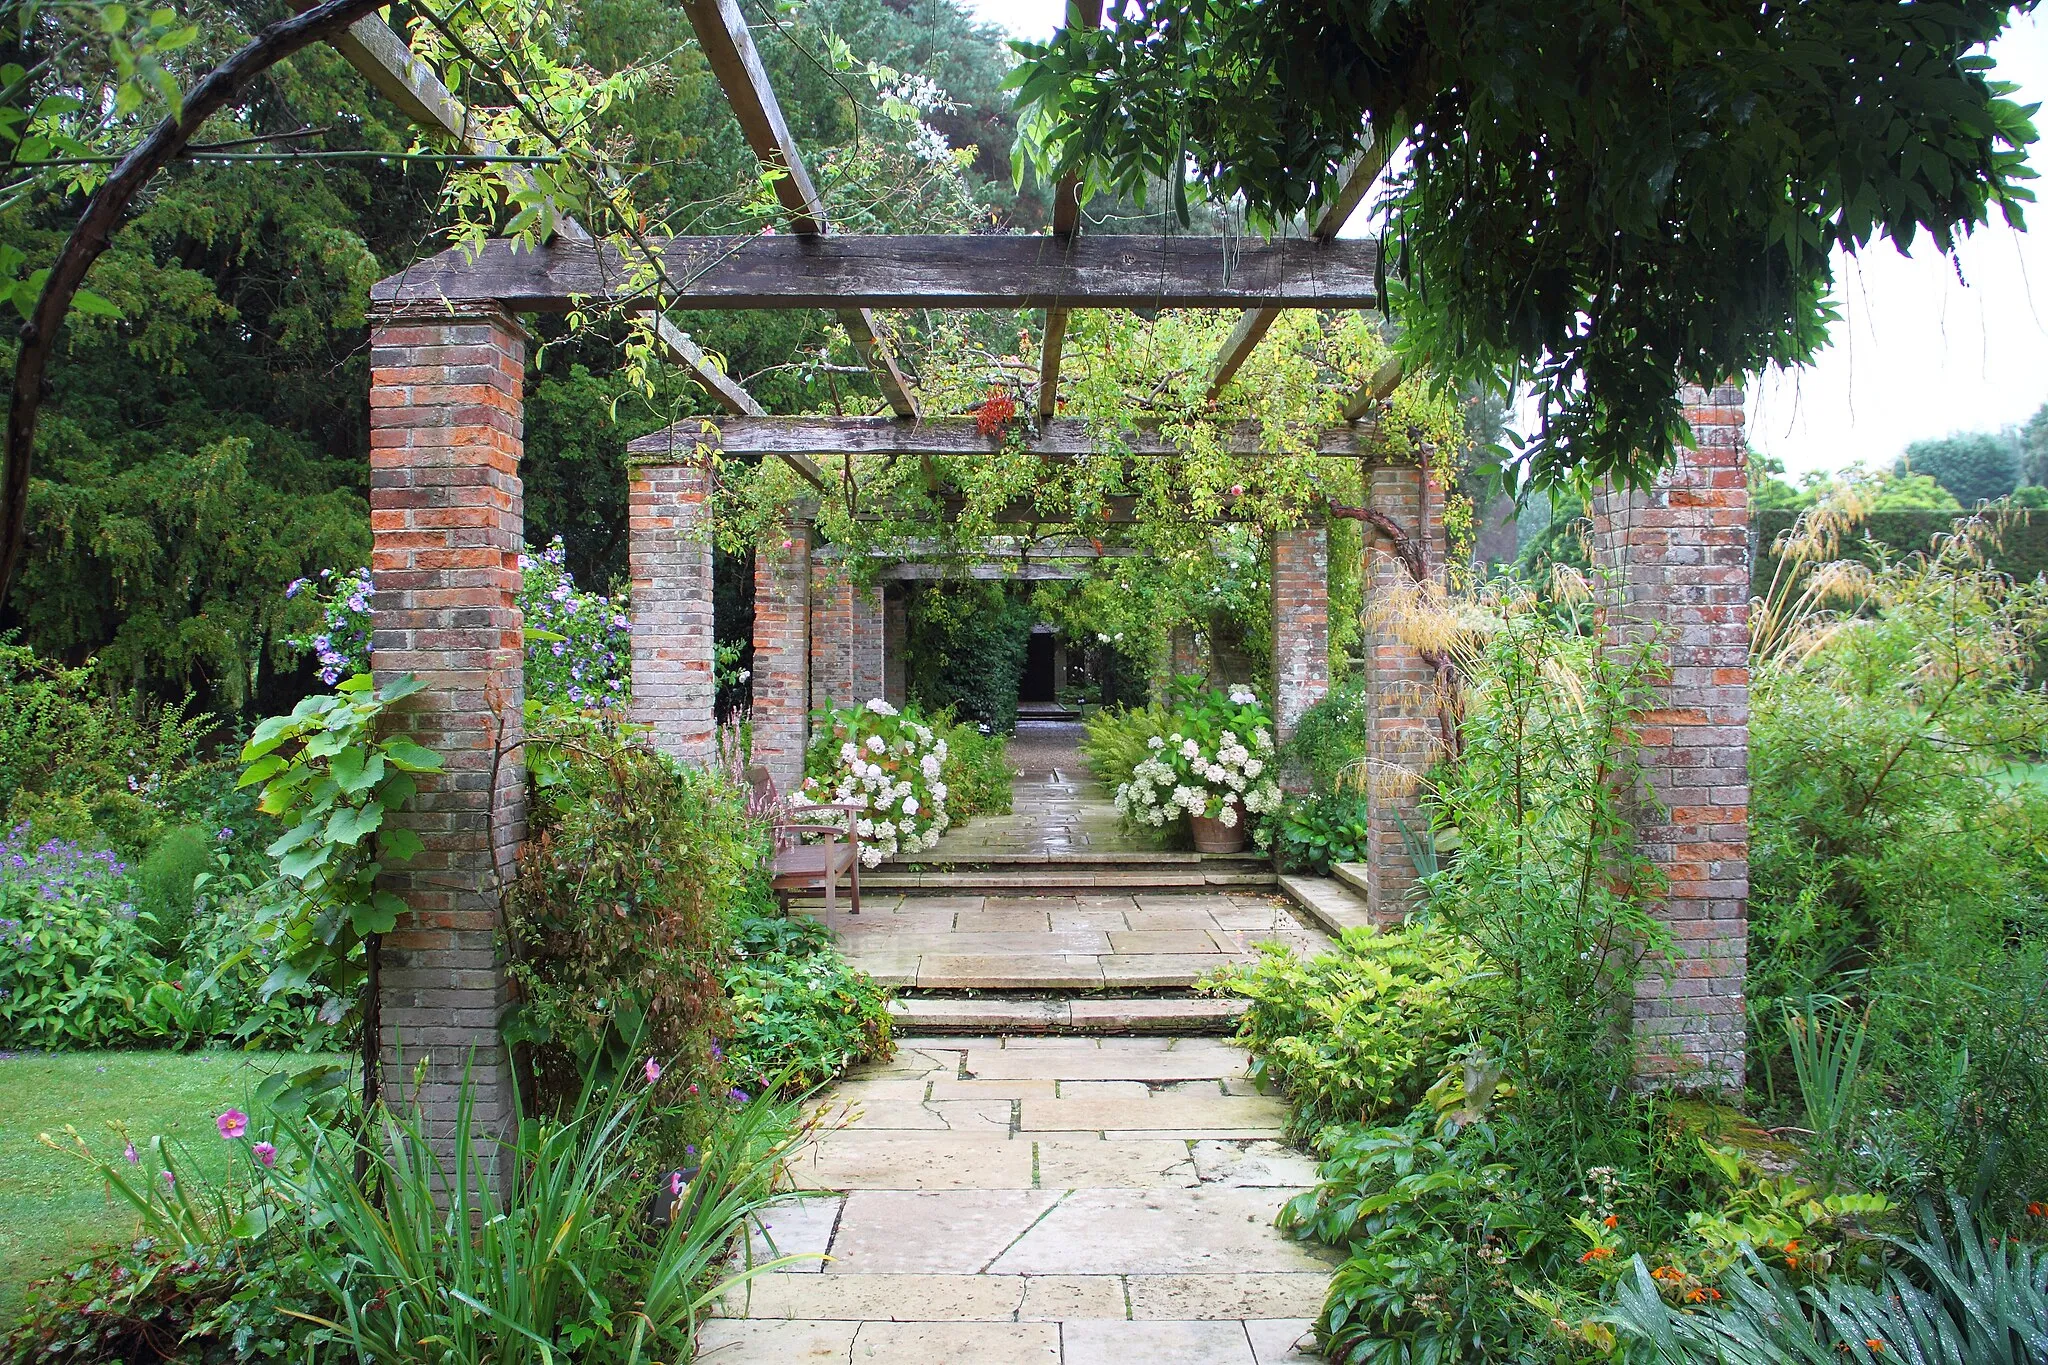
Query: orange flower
x,y
1610,1221
2039,1210
1667,1272
1596,1254
1875,1344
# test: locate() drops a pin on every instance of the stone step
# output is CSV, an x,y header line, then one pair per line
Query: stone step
x,y
1056,879
1353,876
954,1015
1330,903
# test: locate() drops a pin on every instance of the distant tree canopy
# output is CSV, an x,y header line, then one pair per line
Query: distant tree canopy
x,y
1596,198
205,440
1976,466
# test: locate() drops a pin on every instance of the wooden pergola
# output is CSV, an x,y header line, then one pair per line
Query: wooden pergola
x,y
448,356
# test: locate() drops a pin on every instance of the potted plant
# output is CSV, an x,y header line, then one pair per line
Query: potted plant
x,y
1215,765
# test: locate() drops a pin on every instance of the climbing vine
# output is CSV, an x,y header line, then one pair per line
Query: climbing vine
x,y
1178,535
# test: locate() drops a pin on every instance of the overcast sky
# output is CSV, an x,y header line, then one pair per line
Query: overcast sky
x,y
1919,352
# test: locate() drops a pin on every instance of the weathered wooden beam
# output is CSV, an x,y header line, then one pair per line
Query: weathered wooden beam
x,y
1251,329
729,49
1066,221
1377,389
1063,437
945,271
384,59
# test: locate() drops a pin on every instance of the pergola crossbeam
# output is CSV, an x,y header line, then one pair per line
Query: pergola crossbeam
x,y
948,270
1251,329
374,48
1062,437
729,48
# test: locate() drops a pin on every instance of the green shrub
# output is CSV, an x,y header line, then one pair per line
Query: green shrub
x,y
892,765
796,1008
965,649
1315,831
88,763
978,770
164,880
617,919
1894,867
1331,740
76,959
1358,1032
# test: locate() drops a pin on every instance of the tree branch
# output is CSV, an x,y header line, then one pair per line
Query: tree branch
x,y
95,230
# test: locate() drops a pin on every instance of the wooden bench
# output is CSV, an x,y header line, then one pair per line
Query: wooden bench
x,y
801,867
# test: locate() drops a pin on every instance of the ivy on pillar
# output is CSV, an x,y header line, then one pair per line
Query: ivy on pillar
x,y
1301,622
448,525
1676,562
782,652
1405,735
674,681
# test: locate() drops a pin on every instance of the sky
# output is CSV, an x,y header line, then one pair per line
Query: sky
x,y
1926,345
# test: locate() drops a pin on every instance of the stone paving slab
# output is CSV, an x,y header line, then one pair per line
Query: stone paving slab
x,y
1028,1243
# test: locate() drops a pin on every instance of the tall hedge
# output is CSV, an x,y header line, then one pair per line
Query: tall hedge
x,y
2022,552
966,650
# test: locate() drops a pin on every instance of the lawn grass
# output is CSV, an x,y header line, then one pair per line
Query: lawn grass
x,y
53,1211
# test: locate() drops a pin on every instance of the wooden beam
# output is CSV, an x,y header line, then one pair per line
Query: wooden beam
x,y
1063,437
384,59
1377,389
953,270
728,46
1356,179
1066,221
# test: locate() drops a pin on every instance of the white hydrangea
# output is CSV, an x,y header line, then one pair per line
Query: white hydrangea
x,y
880,707
877,745
1155,743
1240,695
930,766
848,752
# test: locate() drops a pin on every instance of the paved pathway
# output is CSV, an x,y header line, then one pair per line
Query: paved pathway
x,y
991,1199
1061,1200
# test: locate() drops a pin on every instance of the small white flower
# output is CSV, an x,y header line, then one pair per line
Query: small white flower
x,y
866,828
1190,749
880,707
848,753
910,805
940,791
1155,743
1241,695
930,766
1227,817
1255,767
877,745
871,856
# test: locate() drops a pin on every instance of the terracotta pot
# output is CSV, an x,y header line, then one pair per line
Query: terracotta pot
x,y
1213,836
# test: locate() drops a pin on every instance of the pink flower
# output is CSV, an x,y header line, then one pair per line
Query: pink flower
x,y
693,1088
169,1180
1237,490
653,1071
789,544
232,1124
266,1155
676,1183
133,1157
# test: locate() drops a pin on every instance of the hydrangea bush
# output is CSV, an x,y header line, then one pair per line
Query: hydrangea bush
x,y
888,763
1216,762
578,644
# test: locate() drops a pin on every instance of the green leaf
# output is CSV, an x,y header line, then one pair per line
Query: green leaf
x,y
349,824
400,844
95,305
407,756
262,770
377,917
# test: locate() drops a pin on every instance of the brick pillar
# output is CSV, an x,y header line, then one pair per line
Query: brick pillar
x,y
674,688
1301,622
782,652
1676,561
448,523
1405,736
846,638
895,641
1184,657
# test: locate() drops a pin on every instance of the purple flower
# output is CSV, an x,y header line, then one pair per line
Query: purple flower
x,y
169,1180
291,589
653,1071
689,1151
134,1158
738,1096
676,1184
225,835
232,1124
266,1155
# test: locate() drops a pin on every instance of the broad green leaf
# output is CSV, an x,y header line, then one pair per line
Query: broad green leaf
x,y
408,756
349,824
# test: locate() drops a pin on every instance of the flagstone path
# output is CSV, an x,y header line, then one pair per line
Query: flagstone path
x,y
991,1198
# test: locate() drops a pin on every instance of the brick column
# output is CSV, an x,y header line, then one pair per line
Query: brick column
x,y
1676,562
846,638
1301,622
448,521
782,652
1405,735
895,641
1184,657
674,688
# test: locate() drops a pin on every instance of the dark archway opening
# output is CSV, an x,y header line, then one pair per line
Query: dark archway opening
x,y
1040,683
